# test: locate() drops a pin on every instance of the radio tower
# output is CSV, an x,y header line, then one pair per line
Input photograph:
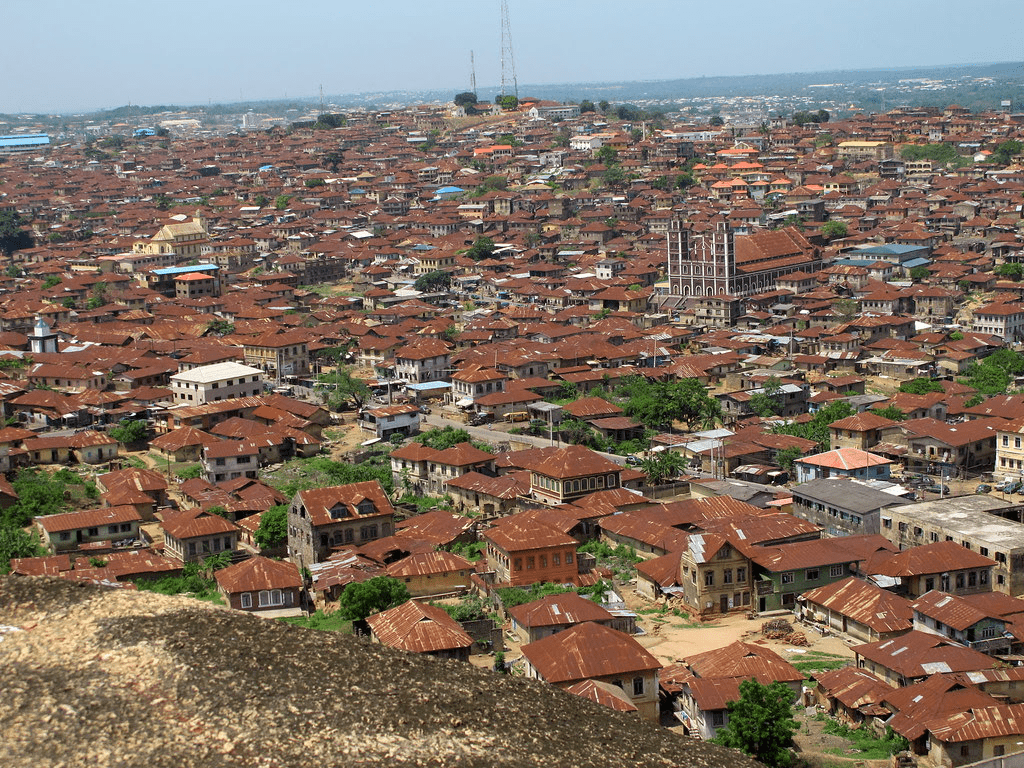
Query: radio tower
x,y
472,74
508,63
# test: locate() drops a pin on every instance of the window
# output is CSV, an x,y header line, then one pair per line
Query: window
x,y
517,564
835,571
929,584
543,561
530,563
94,531
192,548
787,578
638,686
725,552
246,600
65,535
717,719
812,574
983,577
959,581
568,558
556,559
741,575
709,578
727,576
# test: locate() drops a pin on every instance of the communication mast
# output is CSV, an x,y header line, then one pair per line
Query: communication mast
x,y
472,74
508,64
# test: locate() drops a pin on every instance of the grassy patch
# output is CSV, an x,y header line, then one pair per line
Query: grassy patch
x,y
322,622
864,741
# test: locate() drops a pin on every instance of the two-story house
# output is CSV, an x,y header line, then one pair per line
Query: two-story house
x,y
523,552
959,619
320,519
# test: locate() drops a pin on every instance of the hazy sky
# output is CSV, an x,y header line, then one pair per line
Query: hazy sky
x,y
69,55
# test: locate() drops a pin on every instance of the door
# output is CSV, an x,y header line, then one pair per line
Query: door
x,y
724,606
762,605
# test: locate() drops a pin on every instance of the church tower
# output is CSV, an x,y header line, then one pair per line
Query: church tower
x,y
42,338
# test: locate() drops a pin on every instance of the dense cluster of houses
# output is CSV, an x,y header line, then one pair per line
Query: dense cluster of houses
x,y
519,267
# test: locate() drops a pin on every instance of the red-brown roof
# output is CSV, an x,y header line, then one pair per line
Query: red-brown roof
x,y
419,628
259,573
588,650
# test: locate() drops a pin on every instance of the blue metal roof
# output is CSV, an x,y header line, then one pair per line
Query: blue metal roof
x,y
450,190
185,270
918,262
25,140
426,386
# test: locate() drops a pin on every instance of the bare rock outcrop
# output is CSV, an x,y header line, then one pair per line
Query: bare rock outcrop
x,y
102,677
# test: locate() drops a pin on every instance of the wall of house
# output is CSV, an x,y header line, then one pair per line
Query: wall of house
x,y
719,585
437,583
525,567
68,541
314,546
286,599
786,585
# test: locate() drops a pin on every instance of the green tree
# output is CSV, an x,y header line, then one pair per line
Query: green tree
x,y
603,105
507,103
273,527
440,438
956,336
361,599
483,248
607,155
38,494
1013,270
12,236
785,457
313,183
432,282
281,202
580,432
920,386
657,405
767,402
847,309
663,466
338,388
974,400
761,723
129,431
466,99
1003,154
890,412
586,106
919,273
260,200
15,542
221,327
817,428
833,230
51,282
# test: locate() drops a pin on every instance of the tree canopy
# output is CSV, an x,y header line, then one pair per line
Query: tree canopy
x,y
129,431
482,248
363,598
992,375
15,542
431,282
817,428
663,466
12,236
273,528
833,230
767,402
658,404
338,388
920,386
761,723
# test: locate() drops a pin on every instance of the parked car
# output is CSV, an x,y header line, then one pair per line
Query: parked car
x,y
424,409
983,488
635,461
1013,487
943,489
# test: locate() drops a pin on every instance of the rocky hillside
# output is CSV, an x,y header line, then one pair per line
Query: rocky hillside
x,y
118,678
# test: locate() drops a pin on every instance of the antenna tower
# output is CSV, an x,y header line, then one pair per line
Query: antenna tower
x,y
508,64
472,74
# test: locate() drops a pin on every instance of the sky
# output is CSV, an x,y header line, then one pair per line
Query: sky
x,y
69,55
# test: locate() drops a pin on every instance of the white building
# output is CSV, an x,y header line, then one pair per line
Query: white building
x,y
219,381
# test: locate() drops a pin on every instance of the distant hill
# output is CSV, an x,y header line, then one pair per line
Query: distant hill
x,y
112,677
